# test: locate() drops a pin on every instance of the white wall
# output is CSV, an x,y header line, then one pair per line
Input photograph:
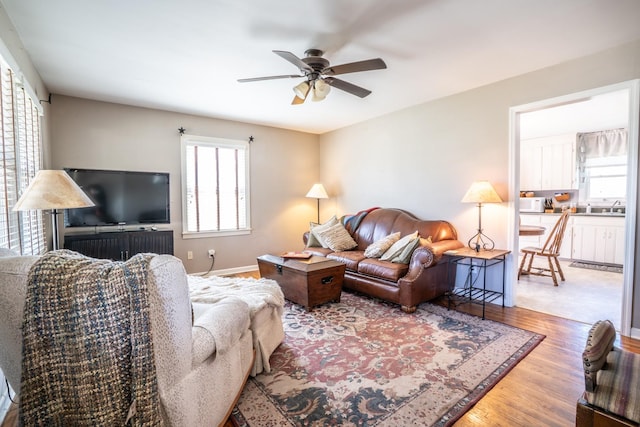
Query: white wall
x,y
284,165
424,158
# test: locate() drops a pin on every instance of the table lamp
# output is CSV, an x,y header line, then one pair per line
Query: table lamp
x,y
481,192
52,190
318,192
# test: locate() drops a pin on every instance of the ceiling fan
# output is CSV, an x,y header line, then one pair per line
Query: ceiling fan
x,y
319,75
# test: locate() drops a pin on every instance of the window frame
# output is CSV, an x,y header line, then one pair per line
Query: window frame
x,y
206,141
21,135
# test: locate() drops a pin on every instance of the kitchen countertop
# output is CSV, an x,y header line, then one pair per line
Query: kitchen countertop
x,y
605,214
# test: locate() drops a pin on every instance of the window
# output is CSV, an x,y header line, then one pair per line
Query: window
x,y
602,165
20,150
606,178
215,186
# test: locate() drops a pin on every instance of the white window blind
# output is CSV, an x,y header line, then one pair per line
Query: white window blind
x,y
20,156
215,185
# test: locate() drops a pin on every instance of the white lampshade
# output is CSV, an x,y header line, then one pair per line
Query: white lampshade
x,y
320,90
481,192
301,90
318,192
52,189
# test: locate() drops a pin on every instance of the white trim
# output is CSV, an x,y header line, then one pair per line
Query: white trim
x,y
229,271
208,234
9,61
186,139
633,86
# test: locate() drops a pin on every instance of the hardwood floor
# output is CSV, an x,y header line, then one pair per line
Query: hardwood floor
x,y
542,389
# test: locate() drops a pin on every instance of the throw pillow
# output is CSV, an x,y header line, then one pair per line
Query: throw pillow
x,y
379,247
396,249
407,251
314,240
337,238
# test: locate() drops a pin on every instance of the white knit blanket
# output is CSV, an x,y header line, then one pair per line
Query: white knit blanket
x,y
257,293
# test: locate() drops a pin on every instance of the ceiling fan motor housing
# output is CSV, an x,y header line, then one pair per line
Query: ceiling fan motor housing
x,y
314,60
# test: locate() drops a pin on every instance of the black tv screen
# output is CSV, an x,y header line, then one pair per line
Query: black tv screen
x,y
120,197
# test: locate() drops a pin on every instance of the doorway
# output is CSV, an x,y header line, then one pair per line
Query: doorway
x,y
549,114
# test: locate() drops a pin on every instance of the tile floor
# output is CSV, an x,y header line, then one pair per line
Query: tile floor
x,y
586,295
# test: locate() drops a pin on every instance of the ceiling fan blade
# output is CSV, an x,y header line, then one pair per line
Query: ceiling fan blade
x,y
347,87
354,67
256,79
293,59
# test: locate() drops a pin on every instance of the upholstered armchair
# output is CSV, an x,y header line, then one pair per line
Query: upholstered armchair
x,y
201,364
612,381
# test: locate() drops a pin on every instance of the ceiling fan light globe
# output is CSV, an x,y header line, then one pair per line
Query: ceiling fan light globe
x,y
321,89
301,90
316,95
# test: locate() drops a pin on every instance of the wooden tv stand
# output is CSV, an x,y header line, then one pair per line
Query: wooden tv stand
x,y
120,245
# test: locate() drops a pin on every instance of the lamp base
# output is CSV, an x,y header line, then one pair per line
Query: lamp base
x,y
481,242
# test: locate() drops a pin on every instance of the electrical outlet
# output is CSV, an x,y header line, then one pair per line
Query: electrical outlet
x,y
189,254
212,253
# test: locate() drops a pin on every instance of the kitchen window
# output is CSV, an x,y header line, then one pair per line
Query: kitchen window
x,y
602,165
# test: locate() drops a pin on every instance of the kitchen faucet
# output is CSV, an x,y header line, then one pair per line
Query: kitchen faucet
x,y
617,202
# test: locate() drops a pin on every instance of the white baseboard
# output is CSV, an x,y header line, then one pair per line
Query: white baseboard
x,y
229,271
635,333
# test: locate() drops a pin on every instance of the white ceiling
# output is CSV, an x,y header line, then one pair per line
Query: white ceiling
x,y
606,111
186,56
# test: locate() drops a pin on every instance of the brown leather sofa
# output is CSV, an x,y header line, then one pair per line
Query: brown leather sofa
x,y
427,275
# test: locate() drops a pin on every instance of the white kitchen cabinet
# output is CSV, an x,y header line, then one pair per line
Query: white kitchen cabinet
x,y
598,239
548,221
548,163
530,166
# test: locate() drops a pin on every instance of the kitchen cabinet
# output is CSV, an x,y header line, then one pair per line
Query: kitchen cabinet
x,y
548,163
548,221
599,239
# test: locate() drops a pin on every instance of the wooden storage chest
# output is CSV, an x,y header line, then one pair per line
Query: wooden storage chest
x,y
309,283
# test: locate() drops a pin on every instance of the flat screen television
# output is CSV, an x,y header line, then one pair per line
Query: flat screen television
x,y
120,197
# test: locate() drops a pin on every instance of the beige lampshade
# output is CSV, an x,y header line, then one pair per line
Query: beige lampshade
x,y
318,192
52,189
481,192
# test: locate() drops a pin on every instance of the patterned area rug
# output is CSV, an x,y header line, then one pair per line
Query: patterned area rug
x,y
600,267
363,362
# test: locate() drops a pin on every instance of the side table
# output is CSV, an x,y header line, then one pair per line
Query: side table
x,y
482,260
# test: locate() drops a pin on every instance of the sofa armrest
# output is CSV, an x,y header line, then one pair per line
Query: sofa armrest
x,y
219,328
442,246
427,255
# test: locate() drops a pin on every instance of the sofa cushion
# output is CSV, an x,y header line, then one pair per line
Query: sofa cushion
x,y
350,258
400,248
337,238
314,229
379,247
383,269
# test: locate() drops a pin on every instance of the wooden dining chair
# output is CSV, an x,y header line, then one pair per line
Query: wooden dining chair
x,y
550,251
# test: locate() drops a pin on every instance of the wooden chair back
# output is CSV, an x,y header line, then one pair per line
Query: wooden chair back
x,y
554,241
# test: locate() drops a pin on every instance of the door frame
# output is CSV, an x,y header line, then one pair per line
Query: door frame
x,y
633,88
